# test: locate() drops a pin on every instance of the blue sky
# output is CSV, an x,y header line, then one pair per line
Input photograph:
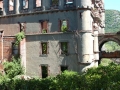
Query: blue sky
x,y
112,4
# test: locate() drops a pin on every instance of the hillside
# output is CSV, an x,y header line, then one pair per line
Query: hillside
x,y
112,21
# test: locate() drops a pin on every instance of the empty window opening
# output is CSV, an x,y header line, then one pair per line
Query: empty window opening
x,y
69,1
64,47
1,5
55,2
22,26
38,3
64,25
44,69
15,50
44,25
11,5
63,68
44,47
25,4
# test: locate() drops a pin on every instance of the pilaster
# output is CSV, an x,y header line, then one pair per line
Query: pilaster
x,y
5,7
31,5
17,6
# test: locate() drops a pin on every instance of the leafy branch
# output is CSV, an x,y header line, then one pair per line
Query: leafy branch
x,y
19,37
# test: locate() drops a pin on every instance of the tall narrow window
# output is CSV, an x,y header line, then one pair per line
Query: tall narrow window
x,y
64,48
64,25
15,50
44,70
11,5
38,3
63,68
44,46
44,26
25,4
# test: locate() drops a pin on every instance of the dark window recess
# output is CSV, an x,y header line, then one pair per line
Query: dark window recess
x,y
44,47
44,70
55,2
63,68
80,15
64,47
15,50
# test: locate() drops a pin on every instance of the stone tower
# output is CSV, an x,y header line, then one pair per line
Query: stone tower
x,y
92,18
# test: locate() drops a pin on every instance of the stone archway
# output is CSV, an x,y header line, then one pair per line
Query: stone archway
x,y
104,40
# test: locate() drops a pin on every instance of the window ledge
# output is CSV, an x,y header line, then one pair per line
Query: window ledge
x,y
67,54
24,10
38,9
44,55
11,12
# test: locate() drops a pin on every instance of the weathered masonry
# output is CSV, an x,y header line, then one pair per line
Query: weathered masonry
x,y
60,34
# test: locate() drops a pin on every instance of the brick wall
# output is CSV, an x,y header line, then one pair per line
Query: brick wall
x,y
7,47
10,29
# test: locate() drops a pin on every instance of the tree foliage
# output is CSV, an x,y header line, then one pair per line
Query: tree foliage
x,y
101,78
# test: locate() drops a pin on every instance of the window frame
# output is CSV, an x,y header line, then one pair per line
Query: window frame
x,y
53,3
38,6
42,26
11,11
41,48
60,25
14,48
68,5
47,66
62,52
68,1
25,9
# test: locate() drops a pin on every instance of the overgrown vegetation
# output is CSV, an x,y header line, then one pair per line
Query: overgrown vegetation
x,y
101,78
13,68
19,37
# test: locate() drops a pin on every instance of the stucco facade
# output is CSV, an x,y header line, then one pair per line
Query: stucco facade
x,y
83,21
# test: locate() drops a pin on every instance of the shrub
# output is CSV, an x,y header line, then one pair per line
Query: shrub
x,y
13,68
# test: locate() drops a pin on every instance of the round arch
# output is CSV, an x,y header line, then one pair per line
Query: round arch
x,y
104,40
